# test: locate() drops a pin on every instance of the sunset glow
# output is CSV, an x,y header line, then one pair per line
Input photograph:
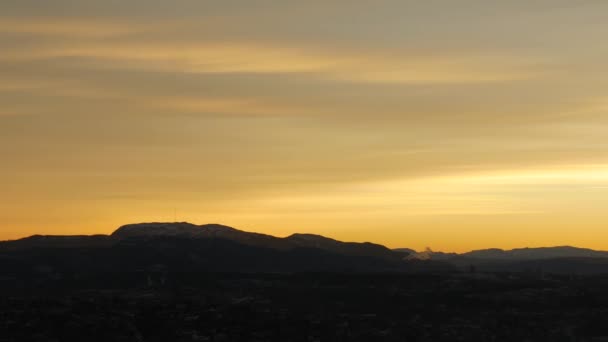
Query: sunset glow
x,y
454,125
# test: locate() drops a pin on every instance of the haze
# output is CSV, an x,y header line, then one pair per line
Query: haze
x,y
456,125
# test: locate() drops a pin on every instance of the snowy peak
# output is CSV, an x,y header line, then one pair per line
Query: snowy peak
x,y
191,231
173,229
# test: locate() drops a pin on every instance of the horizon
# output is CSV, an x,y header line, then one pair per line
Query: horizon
x,y
459,126
417,250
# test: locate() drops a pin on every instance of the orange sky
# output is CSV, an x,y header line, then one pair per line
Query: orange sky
x,y
453,125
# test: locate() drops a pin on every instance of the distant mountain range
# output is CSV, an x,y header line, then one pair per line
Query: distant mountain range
x,y
212,247
512,255
187,247
560,259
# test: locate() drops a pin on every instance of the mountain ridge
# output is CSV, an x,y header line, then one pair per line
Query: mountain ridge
x,y
524,253
184,246
148,230
186,230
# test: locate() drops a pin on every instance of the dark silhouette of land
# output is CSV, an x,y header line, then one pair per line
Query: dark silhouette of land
x,y
187,247
183,282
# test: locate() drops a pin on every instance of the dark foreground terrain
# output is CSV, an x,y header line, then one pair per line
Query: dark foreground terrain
x,y
170,282
164,306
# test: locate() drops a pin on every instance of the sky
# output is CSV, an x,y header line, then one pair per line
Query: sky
x,y
456,125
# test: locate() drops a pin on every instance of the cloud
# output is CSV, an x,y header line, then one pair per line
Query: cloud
x,y
67,27
101,41
392,114
344,66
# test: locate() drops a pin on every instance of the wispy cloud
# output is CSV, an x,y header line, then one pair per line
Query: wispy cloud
x,y
68,27
101,41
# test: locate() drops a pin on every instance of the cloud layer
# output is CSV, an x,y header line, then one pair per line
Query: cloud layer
x,y
408,123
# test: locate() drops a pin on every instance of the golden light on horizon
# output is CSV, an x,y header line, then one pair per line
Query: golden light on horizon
x,y
410,124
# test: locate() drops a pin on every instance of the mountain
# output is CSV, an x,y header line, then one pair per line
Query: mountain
x,y
57,241
339,247
536,253
176,229
191,231
560,259
217,231
427,254
518,254
185,247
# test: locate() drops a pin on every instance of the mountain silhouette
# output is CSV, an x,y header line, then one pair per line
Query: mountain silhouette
x,y
517,254
185,247
191,231
218,231
559,259
536,253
